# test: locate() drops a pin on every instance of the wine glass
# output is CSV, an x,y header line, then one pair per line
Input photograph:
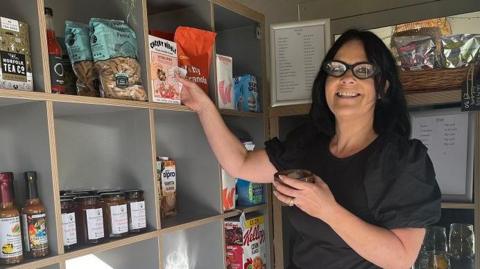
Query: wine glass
x,y
461,246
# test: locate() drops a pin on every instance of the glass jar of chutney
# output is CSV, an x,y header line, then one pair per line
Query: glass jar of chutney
x,y
91,229
137,221
69,225
116,216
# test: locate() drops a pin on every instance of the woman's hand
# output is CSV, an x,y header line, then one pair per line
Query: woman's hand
x,y
192,95
315,199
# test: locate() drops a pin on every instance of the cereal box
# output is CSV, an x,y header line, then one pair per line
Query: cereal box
x,y
245,242
245,94
166,180
163,66
224,82
228,191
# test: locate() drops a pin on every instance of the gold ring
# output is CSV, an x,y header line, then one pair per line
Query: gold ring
x,y
291,202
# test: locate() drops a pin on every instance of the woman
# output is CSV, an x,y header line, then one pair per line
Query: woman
x,y
375,189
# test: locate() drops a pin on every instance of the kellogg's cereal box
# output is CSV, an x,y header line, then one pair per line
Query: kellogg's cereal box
x,y
167,183
163,66
245,242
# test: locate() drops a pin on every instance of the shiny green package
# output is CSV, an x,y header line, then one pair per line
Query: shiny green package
x,y
460,50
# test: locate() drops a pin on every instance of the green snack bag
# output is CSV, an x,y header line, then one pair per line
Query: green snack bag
x,y
114,50
77,42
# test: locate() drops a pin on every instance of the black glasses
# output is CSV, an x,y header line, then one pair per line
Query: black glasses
x,y
361,70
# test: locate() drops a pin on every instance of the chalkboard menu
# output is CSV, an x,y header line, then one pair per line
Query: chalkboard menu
x,y
297,50
471,90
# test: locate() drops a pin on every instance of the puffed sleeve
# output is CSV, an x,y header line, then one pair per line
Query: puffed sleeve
x,y
287,154
401,187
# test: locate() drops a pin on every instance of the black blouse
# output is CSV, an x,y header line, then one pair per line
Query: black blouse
x,y
391,183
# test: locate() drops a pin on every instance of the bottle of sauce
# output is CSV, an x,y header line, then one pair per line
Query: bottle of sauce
x,y
54,55
34,220
10,230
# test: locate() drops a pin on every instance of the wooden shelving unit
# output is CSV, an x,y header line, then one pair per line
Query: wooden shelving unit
x,y
77,141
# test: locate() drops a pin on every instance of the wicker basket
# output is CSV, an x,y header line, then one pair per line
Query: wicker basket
x,y
434,79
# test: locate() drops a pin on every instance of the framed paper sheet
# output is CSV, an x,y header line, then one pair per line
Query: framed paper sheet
x,y
449,135
297,50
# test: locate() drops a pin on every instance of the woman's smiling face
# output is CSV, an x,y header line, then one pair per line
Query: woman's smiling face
x,y
348,96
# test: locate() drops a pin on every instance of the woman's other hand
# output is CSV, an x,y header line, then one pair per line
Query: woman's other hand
x,y
192,95
315,199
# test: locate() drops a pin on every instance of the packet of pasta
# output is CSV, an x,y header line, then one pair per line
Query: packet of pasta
x,y
77,42
114,49
194,50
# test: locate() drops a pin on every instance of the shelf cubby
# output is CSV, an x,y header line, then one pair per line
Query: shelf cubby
x,y
239,37
24,146
103,147
179,136
130,11
191,247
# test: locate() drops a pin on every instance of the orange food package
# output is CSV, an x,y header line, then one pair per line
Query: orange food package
x,y
194,50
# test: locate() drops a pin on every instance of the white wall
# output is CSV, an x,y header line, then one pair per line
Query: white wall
x,y
379,13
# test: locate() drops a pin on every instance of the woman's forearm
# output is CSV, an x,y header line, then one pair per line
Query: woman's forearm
x,y
385,248
227,148
230,153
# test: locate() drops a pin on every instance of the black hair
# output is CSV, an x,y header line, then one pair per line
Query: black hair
x,y
391,114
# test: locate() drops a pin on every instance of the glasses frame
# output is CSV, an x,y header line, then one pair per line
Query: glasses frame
x,y
350,67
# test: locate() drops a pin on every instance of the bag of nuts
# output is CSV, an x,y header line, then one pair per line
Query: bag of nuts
x,y
77,41
114,49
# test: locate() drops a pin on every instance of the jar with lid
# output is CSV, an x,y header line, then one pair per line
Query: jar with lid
x,y
91,229
137,221
116,216
65,192
69,226
110,190
83,192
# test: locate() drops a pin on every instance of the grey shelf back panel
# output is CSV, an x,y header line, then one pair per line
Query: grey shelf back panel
x,y
26,11
200,246
226,19
180,137
253,126
105,150
24,147
195,14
